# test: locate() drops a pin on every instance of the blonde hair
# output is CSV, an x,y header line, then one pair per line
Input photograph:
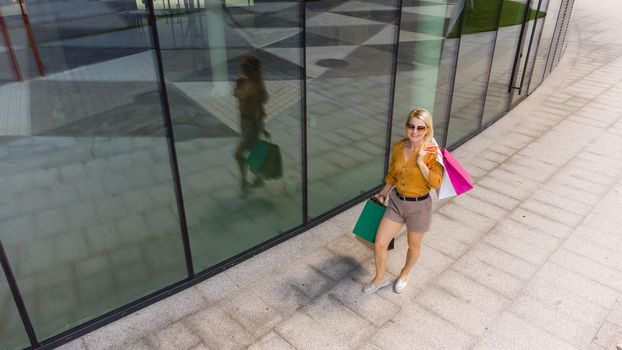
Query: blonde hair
x,y
425,116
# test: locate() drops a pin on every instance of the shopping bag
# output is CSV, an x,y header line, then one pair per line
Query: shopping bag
x,y
265,160
368,222
456,179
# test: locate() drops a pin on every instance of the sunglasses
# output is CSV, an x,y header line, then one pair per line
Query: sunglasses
x,y
418,127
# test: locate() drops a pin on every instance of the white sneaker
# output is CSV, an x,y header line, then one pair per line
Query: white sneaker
x,y
372,288
400,284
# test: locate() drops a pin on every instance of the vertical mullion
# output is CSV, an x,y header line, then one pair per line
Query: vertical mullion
x,y
538,43
452,78
392,86
168,124
304,150
492,61
17,297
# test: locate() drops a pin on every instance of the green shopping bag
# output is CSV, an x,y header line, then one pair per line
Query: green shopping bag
x,y
368,222
264,159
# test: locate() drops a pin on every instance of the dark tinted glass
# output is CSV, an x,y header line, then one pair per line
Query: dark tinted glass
x,y
233,75
88,214
350,55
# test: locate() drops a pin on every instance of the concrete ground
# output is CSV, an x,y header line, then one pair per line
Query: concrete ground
x,y
527,260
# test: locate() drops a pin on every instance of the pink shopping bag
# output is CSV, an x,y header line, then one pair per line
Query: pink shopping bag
x,y
456,179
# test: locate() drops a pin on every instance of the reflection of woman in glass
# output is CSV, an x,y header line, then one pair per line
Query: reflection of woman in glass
x,y
251,94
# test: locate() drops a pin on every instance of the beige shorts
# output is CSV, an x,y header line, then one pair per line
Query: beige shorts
x,y
416,215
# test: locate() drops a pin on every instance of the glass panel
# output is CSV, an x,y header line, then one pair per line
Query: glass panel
x,y
476,47
447,70
527,52
556,43
88,213
536,32
419,59
232,72
544,47
350,53
12,332
508,35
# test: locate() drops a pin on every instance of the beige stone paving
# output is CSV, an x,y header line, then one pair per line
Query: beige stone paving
x,y
527,260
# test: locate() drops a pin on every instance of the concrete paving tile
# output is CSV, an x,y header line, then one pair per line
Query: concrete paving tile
x,y
443,225
489,276
588,268
517,246
615,315
583,286
77,344
493,197
174,337
333,265
271,341
145,321
566,301
508,263
280,294
540,223
580,184
504,188
467,217
481,207
347,245
446,244
431,331
255,315
602,223
608,336
478,295
557,323
339,320
371,307
512,332
142,344
573,193
601,254
302,332
399,336
370,346
433,259
559,214
219,287
201,346
561,201
218,330
455,310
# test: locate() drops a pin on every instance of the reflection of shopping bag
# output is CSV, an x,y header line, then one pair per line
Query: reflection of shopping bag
x,y
456,180
368,222
265,160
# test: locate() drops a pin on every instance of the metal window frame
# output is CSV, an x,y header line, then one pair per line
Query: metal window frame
x,y
492,61
392,87
452,77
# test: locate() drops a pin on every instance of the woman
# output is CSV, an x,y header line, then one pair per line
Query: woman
x,y
250,91
413,171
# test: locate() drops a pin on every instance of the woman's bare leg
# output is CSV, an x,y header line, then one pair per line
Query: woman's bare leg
x,y
414,248
384,235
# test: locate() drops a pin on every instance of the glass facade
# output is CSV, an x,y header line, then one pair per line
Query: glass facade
x,y
147,144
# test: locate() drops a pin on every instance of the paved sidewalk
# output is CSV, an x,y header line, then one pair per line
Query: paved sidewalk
x,y
527,260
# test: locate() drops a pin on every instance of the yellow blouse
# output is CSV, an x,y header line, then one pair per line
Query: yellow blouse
x,y
406,175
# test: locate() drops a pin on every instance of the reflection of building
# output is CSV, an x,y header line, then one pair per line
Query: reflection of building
x,y
117,169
